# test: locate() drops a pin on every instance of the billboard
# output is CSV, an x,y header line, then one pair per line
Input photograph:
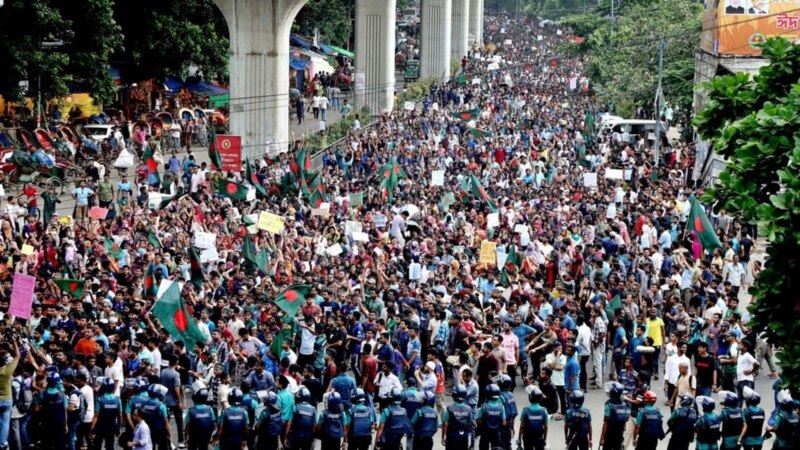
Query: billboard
x,y
230,152
734,27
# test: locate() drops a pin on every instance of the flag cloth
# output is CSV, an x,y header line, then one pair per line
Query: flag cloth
x,y
461,79
612,306
152,166
175,318
467,115
232,189
357,199
197,272
213,154
249,255
72,287
252,177
149,282
262,261
698,222
394,166
480,134
477,192
153,238
112,248
284,334
291,299
67,273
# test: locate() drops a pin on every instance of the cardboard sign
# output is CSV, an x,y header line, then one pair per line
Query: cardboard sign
x,y
97,213
230,152
379,220
414,271
27,250
22,296
507,42
209,255
359,236
205,240
493,220
408,106
520,228
488,252
270,222
351,226
334,250
614,174
590,180
324,210
437,178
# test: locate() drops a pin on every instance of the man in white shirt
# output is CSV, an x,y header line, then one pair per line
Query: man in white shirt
x,y
584,347
88,396
672,368
114,371
746,366
399,227
386,381
735,274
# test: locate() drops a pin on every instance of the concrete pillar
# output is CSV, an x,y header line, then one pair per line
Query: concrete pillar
x,y
259,39
476,22
375,46
460,32
435,45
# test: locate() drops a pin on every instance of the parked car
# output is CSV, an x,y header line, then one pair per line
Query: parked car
x,y
100,132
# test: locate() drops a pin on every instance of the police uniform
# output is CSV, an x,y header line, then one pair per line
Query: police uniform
x,y
425,422
732,422
616,415
492,417
510,405
786,433
708,428
754,417
578,422
396,424
681,423
460,422
200,422
332,426
53,409
107,410
302,429
651,429
234,423
362,421
154,413
533,421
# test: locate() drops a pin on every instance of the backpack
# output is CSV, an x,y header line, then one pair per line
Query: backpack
x,y
22,396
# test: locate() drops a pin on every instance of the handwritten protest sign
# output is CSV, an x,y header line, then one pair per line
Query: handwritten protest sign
x,y
270,222
98,213
437,178
205,240
27,250
379,220
334,250
614,174
22,296
352,226
209,255
493,220
414,271
590,180
324,210
488,252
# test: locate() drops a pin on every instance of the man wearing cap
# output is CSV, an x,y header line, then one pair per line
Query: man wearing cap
x,y
426,378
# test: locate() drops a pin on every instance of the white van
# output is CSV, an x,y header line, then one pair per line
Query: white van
x,y
647,128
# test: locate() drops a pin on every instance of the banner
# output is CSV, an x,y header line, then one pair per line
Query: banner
x,y
734,27
270,222
230,152
22,296
488,252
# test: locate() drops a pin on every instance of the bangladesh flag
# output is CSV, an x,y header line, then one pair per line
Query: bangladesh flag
x,y
612,306
392,166
284,334
252,177
467,115
67,272
447,200
698,222
232,189
262,261
175,318
291,299
477,192
250,256
153,177
149,282
356,199
461,79
197,272
72,287
387,188
480,134
112,248
213,154
153,238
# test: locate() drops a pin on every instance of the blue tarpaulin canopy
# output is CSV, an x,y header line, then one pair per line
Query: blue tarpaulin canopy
x,y
173,84
326,50
298,41
297,63
204,88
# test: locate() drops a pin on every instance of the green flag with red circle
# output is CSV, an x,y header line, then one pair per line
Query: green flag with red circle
x,y
71,287
232,189
171,311
291,299
699,223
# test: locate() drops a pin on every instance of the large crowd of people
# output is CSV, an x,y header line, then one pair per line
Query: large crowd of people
x,y
478,246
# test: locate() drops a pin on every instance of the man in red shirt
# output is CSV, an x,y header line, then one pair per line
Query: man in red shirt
x,y
369,370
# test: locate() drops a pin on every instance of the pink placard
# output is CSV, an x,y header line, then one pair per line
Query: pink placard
x,y
98,213
22,295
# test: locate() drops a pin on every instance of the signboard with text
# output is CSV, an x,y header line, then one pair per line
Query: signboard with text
x,y
230,152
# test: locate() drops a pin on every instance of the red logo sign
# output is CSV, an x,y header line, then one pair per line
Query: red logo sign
x,y
230,152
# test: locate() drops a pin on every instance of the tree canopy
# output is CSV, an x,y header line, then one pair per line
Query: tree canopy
x,y
754,122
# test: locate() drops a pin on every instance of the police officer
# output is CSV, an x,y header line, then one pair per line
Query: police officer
x,y
785,423
362,420
754,417
681,423
250,404
708,426
52,408
107,416
75,412
200,421
458,422
510,404
731,421
491,418
533,422
331,424
393,423
234,423
412,401
136,401
269,427
300,429
615,416
425,422
649,427
578,424
154,413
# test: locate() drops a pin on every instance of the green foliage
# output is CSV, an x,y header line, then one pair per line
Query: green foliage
x,y
755,124
331,17
415,91
166,38
623,65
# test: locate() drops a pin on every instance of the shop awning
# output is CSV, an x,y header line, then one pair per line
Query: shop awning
x,y
173,84
219,101
297,63
342,51
298,41
204,88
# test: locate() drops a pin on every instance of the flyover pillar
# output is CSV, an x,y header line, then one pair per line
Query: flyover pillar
x,y
460,32
476,22
435,40
374,49
259,44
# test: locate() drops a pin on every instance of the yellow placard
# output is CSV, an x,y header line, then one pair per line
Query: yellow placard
x,y
270,222
488,252
27,250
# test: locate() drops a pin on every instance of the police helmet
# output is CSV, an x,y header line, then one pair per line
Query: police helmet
x,y
107,386
139,385
157,391
303,394
334,401
686,399
614,390
396,395
535,395
200,396
430,399
650,397
503,381
53,379
707,404
411,381
492,390
360,396
751,397
576,398
728,398
785,399
235,397
459,393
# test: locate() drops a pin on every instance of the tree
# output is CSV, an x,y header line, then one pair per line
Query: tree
x,y
331,17
755,124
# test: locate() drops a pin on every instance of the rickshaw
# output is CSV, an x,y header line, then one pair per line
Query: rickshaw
x,y
20,168
186,114
165,118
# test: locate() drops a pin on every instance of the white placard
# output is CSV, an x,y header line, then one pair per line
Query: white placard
x,y
501,259
590,180
627,174
379,220
154,199
324,210
408,106
524,239
209,255
520,228
414,271
614,174
205,240
493,66
359,236
476,81
507,42
493,220
539,37
351,226
251,194
334,250
437,178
